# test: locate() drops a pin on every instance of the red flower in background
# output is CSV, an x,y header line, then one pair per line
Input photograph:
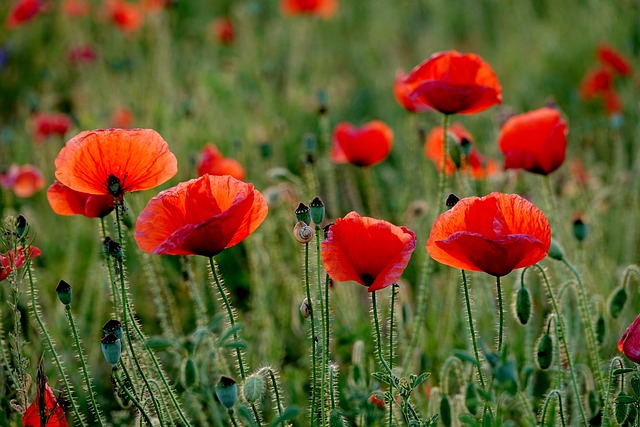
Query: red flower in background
x,y
76,8
596,82
45,407
369,251
84,53
24,181
23,11
9,261
65,201
322,8
535,141
203,216
115,161
50,124
122,118
629,343
362,146
127,17
614,60
223,31
473,163
212,162
494,234
402,93
455,83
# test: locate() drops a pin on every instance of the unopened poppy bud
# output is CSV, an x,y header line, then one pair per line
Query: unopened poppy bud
x,y
617,301
21,226
600,329
336,419
317,211
188,373
64,292
112,326
445,411
111,349
227,392
253,388
523,305
305,309
580,230
555,250
303,214
451,201
545,352
303,233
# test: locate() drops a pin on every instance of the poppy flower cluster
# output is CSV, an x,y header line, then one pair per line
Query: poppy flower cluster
x,y
12,260
65,201
115,161
46,125
629,343
473,163
24,181
494,234
367,145
128,17
23,11
366,250
535,141
212,162
203,216
599,82
321,8
454,83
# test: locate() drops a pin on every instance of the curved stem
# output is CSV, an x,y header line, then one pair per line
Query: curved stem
x,y
472,329
112,280
619,360
132,397
391,322
546,404
275,390
501,309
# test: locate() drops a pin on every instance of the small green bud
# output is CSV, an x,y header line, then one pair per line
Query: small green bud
x,y
21,226
555,250
227,392
303,214
600,329
523,305
445,411
112,326
188,373
317,211
580,230
336,419
617,301
64,292
111,349
253,388
545,352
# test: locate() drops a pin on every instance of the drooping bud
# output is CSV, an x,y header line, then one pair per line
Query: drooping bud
x,y
555,250
445,411
523,305
64,292
188,373
21,226
317,211
303,213
600,329
111,349
227,392
112,326
451,201
303,233
305,309
580,230
544,355
617,301
253,388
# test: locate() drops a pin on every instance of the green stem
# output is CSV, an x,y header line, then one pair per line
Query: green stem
x,y
96,410
112,280
323,367
618,360
313,337
501,309
563,340
472,330
394,288
383,362
132,397
232,418
558,396
275,390
442,186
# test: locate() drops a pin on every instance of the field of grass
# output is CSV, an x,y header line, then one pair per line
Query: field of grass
x,y
271,99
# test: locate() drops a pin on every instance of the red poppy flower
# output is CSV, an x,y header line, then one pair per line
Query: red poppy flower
x,y
115,161
364,146
65,201
222,30
9,261
76,8
24,181
452,83
596,82
322,8
127,17
46,125
535,141
402,93
610,58
45,408
23,11
612,103
122,118
629,343
212,162
82,54
369,251
203,216
495,234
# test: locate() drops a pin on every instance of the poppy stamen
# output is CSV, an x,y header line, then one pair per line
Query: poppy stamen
x,y
114,186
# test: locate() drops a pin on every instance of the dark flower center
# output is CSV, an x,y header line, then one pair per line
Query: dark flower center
x,y
367,279
114,186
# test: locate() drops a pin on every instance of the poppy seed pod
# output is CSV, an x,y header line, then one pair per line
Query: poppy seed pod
x,y
580,230
227,392
303,233
303,214
64,292
112,326
544,355
555,250
111,349
188,373
317,211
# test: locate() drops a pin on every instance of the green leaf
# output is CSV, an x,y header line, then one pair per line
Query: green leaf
x,y
623,371
158,343
289,414
625,399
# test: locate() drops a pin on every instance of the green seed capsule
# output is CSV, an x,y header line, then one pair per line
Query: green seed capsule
x,y
227,391
545,351
317,211
111,349
617,301
303,214
64,292
523,305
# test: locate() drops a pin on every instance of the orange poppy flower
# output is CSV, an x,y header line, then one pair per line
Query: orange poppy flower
x,y
321,8
24,181
50,411
127,17
46,125
494,234
362,146
10,261
203,216
535,141
122,118
369,251
629,343
614,60
23,11
223,31
402,93
65,201
76,8
451,82
212,162
115,161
